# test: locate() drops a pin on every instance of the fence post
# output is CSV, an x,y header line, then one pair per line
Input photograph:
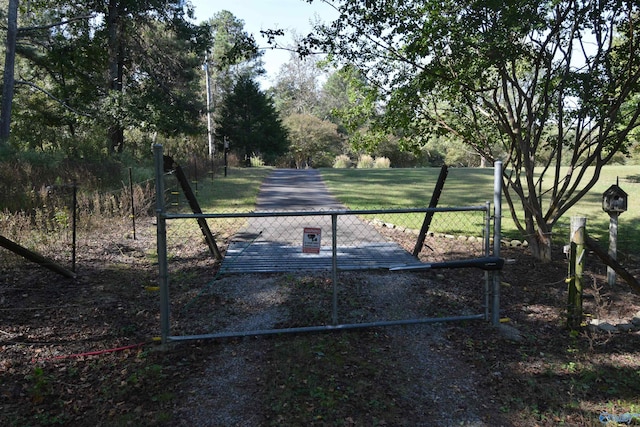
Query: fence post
x,y
334,265
74,218
487,252
576,268
161,244
497,237
613,245
435,197
133,209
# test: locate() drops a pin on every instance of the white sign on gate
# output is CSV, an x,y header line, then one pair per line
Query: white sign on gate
x,y
311,240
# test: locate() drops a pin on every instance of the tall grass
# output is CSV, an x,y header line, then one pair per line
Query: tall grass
x,y
36,199
342,162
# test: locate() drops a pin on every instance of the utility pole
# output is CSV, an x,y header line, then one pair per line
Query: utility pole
x,y
212,147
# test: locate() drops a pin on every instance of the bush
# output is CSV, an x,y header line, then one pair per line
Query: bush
x,y
365,161
342,162
256,161
382,163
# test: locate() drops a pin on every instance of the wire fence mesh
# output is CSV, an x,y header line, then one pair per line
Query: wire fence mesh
x,y
66,221
47,227
274,241
454,233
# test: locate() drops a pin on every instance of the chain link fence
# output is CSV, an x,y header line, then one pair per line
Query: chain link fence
x,y
322,244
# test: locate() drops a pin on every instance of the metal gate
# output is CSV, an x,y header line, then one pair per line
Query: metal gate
x,y
275,242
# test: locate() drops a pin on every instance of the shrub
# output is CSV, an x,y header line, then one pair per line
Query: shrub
x,y
382,163
365,161
342,162
256,161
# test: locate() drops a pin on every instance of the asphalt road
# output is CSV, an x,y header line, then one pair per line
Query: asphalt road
x,y
274,243
295,189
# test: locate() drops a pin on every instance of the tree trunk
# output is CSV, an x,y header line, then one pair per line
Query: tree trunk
x,y
116,139
539,238
116,54
9,70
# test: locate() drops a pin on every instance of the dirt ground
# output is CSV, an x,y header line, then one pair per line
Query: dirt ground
x,y
82,352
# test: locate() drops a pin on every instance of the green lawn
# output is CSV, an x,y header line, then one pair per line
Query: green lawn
x,y
380,188
237,192
388,188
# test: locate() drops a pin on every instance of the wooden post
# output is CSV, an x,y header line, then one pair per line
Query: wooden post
x,y
435,197
133,208
613,246
171,165
576,267
74,222
195,207
35,257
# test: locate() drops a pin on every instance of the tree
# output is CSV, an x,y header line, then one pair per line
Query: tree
x,y
233,52
353,104
251,123
314,142
550,83
106,66
297,87
8,76
123,24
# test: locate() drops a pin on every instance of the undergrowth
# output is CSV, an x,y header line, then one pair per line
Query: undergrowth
x,y
37,193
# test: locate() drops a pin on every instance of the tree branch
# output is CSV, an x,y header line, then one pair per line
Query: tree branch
x,y
53,25
50,95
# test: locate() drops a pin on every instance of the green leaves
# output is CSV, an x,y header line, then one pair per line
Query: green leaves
x,y
231,44
73,57
250,122
312,139
502,77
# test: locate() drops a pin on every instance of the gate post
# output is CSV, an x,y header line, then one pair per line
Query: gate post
x,y
163,279
487,252
334,265
576,266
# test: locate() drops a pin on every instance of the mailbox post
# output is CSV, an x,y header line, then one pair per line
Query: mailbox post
x,y
614,202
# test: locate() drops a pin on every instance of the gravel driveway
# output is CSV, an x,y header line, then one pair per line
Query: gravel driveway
x,y
226,393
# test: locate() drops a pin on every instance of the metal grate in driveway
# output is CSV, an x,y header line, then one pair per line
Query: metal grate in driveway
x,y
274,257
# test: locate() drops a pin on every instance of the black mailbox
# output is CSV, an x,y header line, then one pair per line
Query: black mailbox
x,y
614,200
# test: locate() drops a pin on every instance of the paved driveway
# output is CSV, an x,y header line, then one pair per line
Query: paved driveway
x,y
297,190
275,243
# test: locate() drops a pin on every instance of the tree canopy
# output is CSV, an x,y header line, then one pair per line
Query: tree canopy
x,y
539,84
314,142
233,52
251,124
104,65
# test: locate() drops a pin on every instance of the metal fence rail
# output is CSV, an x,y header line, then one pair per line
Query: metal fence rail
x,y
350,240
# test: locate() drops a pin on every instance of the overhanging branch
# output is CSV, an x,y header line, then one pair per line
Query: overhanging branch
x,y
50,95
53,25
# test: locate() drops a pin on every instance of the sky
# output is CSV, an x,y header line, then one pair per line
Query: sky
x,y
289,15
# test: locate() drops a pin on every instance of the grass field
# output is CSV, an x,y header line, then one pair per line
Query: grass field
x,y
237,192
389,188
378,188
